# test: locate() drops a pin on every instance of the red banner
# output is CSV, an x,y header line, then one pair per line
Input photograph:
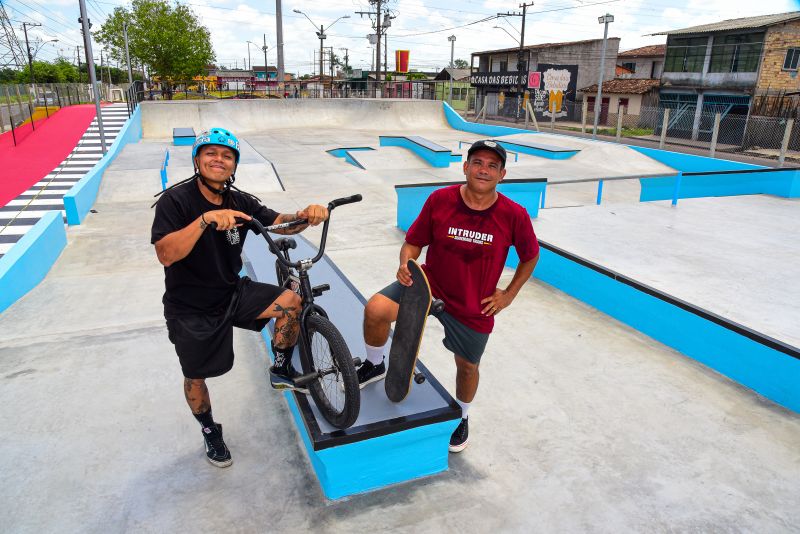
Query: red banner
x,y
401,60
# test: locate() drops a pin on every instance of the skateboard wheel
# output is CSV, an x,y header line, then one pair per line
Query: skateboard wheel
x,y
419,378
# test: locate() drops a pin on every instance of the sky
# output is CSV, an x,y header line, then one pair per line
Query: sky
x,y
421,26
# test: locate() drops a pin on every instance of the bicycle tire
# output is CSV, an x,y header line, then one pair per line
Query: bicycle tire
x,y
336,395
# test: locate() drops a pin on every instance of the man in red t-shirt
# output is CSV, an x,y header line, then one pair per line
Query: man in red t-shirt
x,y
468,230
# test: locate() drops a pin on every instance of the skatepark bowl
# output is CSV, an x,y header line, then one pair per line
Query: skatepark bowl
x,y
645,379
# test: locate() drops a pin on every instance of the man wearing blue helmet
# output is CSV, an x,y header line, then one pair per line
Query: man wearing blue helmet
x,y
205,297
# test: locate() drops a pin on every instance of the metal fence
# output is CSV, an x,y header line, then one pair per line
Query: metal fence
x,y
22,106
713,130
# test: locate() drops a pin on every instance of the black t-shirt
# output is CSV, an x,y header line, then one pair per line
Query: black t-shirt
x,y
203,282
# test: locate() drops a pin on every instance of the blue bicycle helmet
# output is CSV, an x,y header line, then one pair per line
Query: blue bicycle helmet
x,y
216,136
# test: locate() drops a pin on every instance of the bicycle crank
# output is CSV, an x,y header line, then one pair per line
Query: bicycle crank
x,y
304,380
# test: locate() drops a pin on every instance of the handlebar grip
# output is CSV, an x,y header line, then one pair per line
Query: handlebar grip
x,y
239,220
342,201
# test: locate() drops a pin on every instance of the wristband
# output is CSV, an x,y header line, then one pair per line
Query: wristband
x,y
203,223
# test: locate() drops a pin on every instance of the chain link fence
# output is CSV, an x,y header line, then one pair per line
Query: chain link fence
x,y
714,130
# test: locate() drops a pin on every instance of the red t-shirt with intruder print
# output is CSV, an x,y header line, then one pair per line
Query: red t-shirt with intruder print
x,y
467,250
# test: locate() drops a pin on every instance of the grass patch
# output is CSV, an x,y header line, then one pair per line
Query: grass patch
x,y
626,132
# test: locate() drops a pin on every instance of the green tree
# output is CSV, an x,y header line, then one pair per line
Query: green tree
x,y
461,64
8,75
168,39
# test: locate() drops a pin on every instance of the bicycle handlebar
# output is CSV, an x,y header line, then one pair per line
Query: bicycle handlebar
x,y
256,225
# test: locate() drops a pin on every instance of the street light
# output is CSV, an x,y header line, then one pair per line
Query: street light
x,y
32,58
322,36
508,32
598,103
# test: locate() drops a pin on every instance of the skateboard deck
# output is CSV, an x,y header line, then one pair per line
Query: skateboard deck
x,y
415,304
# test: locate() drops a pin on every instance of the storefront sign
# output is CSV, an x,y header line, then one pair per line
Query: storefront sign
x,y
507,79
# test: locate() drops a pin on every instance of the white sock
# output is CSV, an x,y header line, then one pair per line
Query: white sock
x,y
374,354
464,408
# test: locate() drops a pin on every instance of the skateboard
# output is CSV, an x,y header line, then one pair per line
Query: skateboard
x,y
416,304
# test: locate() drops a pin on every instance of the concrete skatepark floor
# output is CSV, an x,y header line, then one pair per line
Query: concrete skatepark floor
x,y
581,424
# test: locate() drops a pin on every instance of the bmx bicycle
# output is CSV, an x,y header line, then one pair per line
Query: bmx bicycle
x,y
329,371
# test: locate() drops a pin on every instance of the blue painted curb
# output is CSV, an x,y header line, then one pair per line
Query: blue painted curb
x,y
31,258
457,122
80,199
759,362
763,181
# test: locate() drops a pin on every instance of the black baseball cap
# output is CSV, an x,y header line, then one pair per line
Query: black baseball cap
x,y
488,144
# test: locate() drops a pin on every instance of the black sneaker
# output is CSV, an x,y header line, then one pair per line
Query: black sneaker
x,y
460,437
216,450
282,378
369,373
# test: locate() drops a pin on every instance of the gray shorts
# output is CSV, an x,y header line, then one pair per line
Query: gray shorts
x,y
460,339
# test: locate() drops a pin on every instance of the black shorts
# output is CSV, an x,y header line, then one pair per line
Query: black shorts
x,y
459,339
204,343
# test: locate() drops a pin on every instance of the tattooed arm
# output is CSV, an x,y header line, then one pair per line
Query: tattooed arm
x,y
314,213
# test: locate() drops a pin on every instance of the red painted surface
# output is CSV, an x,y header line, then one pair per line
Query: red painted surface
x,y
40,151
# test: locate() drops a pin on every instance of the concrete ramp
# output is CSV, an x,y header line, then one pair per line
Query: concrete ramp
x,y
250,116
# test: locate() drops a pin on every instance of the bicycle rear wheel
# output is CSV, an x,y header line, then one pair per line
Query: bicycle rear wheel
x,y
336,392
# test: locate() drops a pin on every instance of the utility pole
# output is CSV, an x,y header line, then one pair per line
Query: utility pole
x,y
279,36
127,53
78,53
378,32
521,63
452,40
30,57
322,36
266,72
87,43
598,103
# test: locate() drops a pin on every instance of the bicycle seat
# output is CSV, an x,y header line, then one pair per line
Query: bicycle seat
x,y
285,243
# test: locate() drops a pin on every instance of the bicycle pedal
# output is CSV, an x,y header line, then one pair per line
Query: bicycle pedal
x,y
320,289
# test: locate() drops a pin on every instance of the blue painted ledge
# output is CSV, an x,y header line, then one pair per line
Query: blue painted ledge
x,y
80,199
759,362
411,197
762,181
457,122
345,152
436,155
30,259
539,149
349,467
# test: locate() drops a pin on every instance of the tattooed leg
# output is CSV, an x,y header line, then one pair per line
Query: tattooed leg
x,y
286,312
196,394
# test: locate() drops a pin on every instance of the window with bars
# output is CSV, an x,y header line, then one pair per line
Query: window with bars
x,y
686,54
792,59
736,53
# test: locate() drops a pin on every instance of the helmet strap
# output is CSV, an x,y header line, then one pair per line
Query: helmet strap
x,y
225,188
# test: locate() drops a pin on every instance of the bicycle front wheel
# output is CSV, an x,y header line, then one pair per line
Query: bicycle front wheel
x,y
335,392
